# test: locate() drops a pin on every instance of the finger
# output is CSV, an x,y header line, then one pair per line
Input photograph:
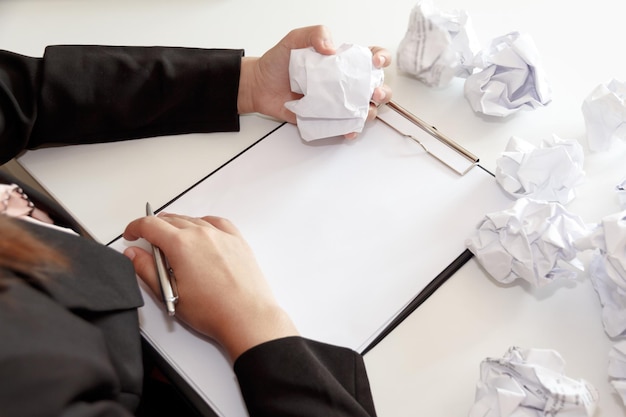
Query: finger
x,y
382,94
381,57
288,116
222,224
133,229
152,228
316,36
143,262
372,112
182,221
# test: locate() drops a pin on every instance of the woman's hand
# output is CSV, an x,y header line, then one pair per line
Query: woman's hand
x,y
222,292
264,82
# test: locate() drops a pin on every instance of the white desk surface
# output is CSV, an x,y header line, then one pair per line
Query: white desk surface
x,y
428,365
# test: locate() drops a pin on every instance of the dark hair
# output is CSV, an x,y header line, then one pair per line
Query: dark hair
x,y
24,254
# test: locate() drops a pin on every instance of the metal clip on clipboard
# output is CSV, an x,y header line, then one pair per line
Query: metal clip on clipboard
x,y
428,137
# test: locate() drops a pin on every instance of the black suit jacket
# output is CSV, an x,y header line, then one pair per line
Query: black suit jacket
x,y
70,346
71,343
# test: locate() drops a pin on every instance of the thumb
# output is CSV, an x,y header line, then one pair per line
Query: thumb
x,y
143,262
288,116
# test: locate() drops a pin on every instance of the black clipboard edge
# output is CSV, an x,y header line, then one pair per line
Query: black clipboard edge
x,y
437,282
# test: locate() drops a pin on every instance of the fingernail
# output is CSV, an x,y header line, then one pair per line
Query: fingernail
x,y
381,60
130,253
351,136
328,43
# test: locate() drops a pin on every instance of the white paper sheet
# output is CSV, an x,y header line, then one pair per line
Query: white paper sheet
x,y
604,111
337,90
551,172
509,77
347,233
607,270
533,240
531,383
437,46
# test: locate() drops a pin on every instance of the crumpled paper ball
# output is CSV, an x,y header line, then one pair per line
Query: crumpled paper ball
x,y
607,270
533,240
510,78
604,111
551,172
617,368
336,90
437,46
531,383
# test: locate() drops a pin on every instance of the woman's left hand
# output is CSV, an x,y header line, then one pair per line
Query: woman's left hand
x,y
264,82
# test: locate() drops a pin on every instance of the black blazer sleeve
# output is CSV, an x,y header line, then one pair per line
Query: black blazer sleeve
x,y
88,94
297,376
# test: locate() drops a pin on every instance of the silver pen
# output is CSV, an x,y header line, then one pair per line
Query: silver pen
x,y
167,281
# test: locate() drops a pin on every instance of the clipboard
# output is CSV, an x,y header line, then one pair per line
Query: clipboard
x,y
428,137
351,235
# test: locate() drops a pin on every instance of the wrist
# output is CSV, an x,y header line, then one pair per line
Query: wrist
x,y
245,101
270,324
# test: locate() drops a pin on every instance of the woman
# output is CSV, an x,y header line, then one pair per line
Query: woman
x,y
68,306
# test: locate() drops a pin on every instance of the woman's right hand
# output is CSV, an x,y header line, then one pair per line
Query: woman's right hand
x,y
222,291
